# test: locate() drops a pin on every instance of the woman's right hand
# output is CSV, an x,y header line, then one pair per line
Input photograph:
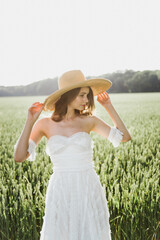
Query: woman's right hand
x,y
34,111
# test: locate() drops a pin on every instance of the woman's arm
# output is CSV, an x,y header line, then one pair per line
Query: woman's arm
x,y
118,123
21,153
101,127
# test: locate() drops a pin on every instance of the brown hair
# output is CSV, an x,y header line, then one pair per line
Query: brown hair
x,y
67,98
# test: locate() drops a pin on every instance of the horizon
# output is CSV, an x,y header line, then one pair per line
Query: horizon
x,y
121,71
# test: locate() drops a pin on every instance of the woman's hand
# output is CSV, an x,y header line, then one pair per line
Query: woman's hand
x,y
34,111
104,99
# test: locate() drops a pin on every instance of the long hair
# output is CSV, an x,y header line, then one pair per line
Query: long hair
x,y
67,98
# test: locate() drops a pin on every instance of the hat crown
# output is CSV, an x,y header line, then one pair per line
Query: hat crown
x,y
69,78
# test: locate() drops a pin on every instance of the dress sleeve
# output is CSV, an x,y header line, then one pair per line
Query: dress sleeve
x,y
31,149
115,136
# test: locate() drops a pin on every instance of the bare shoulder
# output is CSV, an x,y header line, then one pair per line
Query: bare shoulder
x,y
38,130
45,122
41,125
99,126
93,120
88,122
42,122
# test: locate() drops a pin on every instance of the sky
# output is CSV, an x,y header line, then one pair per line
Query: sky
x,y
42,39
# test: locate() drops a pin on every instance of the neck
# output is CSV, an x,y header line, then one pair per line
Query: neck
x,y
70,115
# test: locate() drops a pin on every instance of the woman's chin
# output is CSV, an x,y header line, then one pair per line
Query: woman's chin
x,y
80,108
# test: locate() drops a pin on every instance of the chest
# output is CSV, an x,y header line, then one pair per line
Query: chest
x,y
67,128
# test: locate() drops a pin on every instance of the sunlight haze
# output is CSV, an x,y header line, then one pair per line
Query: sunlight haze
x,y
42,39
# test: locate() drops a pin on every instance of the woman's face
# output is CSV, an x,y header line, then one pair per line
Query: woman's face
x,y
81,100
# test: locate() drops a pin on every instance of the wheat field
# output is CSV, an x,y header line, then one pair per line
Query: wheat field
x,y
129,174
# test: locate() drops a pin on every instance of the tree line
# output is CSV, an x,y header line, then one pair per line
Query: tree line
x,y
122,82
134,81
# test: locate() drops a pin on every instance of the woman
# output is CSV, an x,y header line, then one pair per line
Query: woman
x,y
75,205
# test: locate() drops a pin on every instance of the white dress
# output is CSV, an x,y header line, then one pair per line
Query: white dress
x,y
75,206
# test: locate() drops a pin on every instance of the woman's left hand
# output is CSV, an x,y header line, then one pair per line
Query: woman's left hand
x,y
104,99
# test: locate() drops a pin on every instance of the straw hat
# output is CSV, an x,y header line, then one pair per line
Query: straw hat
x,y
74,79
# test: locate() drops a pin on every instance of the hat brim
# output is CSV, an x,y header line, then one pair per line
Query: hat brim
x,y
98,85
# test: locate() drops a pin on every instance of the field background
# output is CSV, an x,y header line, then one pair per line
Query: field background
x,y
129,174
